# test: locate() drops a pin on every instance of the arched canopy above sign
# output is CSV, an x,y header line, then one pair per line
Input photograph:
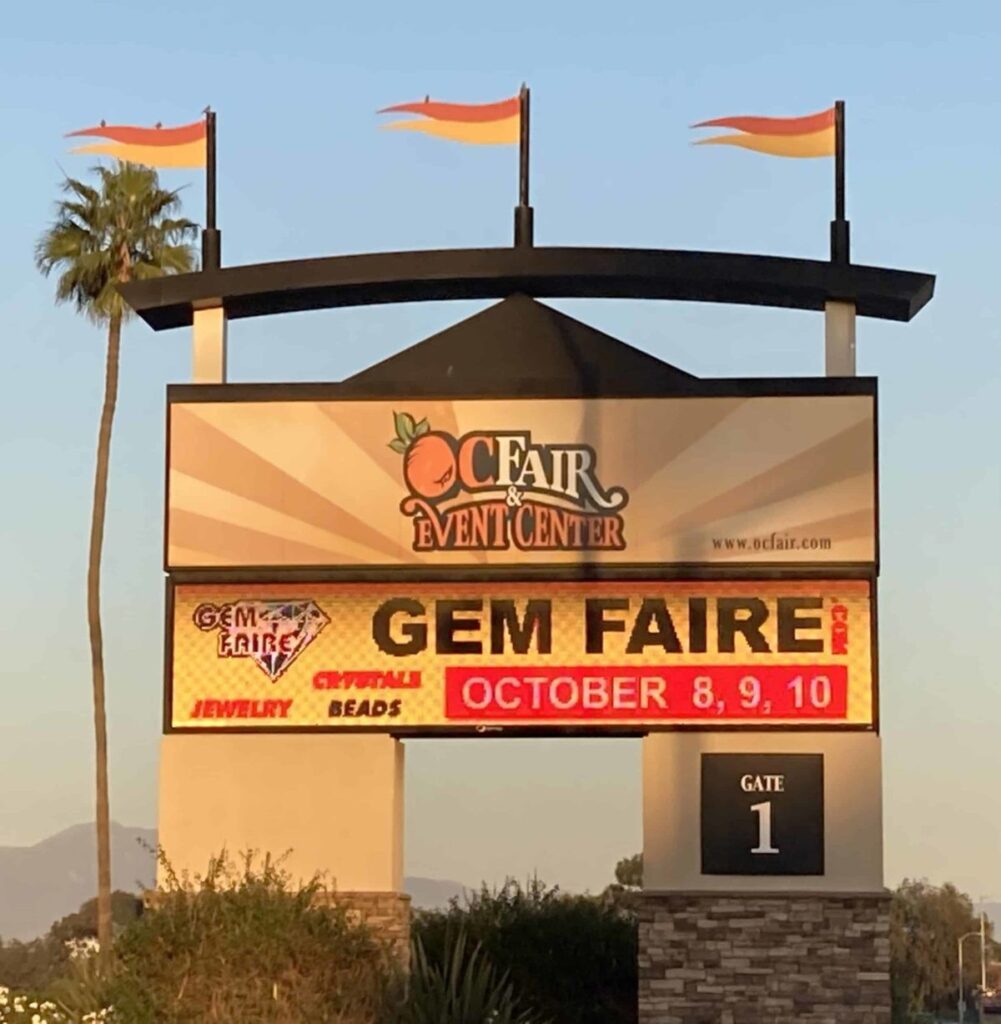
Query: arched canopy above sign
x,y
560,272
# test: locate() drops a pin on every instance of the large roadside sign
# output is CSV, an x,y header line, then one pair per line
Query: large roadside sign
x,y
555,656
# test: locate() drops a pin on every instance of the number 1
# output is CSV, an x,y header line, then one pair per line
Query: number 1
x,y
764,813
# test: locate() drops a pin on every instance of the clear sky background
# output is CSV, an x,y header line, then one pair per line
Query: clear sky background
x,y
304,171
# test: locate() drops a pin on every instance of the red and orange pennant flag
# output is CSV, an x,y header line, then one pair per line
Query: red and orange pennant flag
x,y
813,135
182,146
485,124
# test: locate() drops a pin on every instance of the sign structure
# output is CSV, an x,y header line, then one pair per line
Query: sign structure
x,y
554,656
762,814
738,477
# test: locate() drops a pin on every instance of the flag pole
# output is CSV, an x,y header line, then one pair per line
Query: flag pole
x,y
840,238
523,213
211,237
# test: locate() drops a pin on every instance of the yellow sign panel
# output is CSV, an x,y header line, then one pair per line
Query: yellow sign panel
x,y
410,657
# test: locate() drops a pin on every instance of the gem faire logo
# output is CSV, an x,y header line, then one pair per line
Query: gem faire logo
x,y
271,633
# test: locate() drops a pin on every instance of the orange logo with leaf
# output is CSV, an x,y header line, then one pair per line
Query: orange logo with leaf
x,y
493,490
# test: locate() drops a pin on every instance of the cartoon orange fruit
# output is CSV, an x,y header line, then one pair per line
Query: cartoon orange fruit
x,y
429,465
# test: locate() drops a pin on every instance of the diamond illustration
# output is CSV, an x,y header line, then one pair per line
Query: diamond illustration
x,y
273,633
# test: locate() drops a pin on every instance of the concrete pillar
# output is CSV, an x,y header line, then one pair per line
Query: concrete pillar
x,y
208,348
839,339
334,803
785,948
853,809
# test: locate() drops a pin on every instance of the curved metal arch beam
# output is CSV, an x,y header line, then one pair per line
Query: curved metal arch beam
x,y
366,279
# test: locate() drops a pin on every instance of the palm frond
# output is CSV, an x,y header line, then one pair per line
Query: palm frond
x,y
125,228
86,192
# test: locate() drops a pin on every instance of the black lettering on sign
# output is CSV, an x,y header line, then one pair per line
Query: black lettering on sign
x,y
596,625
653,628
409,637
762,814
697,625
790,623
364,708
744,615
447,624
538,619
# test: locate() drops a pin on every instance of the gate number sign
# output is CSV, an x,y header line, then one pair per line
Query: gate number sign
x,y
762,814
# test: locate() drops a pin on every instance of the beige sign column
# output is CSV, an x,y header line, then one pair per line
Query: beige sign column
x,y
852,809
208,344
839,339
333,803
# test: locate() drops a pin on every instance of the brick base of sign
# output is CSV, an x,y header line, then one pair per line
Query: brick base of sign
x,y
745,958
386,914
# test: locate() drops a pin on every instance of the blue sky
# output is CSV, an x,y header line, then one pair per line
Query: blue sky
x,y
304,171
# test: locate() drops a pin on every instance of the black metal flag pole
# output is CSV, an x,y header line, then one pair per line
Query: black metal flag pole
x,y
211,237
840,239
523,213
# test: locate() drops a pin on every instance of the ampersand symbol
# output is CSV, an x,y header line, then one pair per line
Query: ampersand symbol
x,y
513,497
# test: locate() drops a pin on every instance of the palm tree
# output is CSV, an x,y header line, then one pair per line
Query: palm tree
x,y
122,230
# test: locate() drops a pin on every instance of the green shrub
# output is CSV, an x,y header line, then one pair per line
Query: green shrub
x,y
241,944
464,988
572,959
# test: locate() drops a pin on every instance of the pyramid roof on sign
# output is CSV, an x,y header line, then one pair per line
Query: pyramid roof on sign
x,y
522,347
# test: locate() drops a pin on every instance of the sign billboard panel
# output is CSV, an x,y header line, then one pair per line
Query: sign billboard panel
x,y
425,657
722,479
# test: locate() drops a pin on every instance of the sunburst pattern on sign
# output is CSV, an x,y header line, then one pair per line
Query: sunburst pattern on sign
x,y
721,480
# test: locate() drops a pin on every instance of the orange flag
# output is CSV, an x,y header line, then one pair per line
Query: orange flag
x,y
810,136
489,124
183,146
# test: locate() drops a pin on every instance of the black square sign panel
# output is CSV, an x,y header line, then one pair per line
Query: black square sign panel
x,y
762,814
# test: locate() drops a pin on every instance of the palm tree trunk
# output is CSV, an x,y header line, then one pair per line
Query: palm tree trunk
x,y
97,639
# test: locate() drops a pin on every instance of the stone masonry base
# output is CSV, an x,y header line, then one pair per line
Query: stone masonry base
x,y
791,958
386,914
